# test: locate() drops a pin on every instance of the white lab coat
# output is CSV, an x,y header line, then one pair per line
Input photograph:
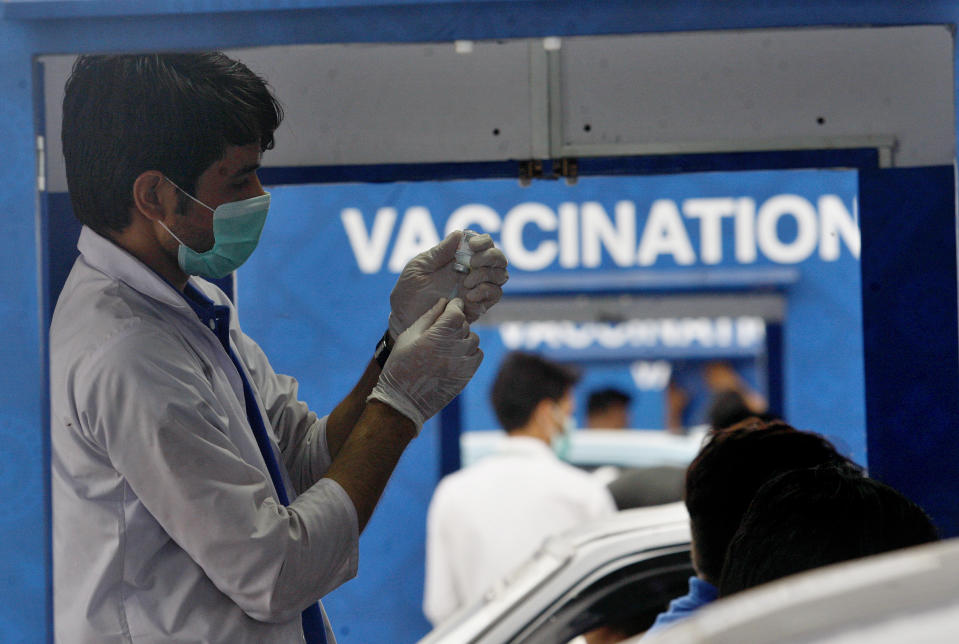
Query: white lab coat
x,y
166,525
486,519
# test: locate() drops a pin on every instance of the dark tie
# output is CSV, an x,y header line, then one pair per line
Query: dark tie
x,y
313,627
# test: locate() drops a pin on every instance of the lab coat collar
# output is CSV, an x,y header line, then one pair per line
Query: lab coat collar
x,y
108,258
526,446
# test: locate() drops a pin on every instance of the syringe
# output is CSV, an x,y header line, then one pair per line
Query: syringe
x,y
461,263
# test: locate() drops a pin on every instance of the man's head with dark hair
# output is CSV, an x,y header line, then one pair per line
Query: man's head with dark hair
x,y
608,409
523,382
726,409
175,114
814,517
729,469
729,407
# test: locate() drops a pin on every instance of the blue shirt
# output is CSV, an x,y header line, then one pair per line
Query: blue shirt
x,y
700,593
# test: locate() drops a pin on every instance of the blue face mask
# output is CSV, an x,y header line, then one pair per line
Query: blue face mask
x,y
236,230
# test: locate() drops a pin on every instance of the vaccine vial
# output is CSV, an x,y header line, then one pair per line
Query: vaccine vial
x,y
461,263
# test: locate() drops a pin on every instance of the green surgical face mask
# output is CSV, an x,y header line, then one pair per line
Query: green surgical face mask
x,y
236,230
561,442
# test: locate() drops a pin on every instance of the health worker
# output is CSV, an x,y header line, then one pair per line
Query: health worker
x,y
195,497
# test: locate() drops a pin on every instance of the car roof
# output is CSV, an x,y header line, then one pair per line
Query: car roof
x,y
594,447
636,519
912,593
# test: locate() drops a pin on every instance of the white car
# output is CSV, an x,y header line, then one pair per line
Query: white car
x,y
909,596
597,447
627,565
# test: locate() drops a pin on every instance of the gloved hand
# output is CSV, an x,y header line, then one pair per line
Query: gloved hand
x,y
430,276
430,363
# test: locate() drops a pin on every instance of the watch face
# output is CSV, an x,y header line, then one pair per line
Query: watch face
x,y
381,353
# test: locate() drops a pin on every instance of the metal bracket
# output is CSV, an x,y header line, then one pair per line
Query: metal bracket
x,y
41,163
567,168
529,170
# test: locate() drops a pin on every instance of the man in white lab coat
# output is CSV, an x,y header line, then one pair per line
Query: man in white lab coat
x,y
195,498
486,519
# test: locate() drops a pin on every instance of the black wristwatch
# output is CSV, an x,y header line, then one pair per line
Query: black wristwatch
x,y
383,348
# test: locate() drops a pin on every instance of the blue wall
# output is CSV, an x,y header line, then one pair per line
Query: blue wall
x,y
25,31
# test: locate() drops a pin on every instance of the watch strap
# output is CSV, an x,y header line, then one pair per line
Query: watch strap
x,y
383,348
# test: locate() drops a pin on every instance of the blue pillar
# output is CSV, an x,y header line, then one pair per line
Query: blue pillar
x,y
25,612
451,422
911,335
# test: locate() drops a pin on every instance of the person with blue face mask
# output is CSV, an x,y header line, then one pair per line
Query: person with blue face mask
x,y
488,518
195,497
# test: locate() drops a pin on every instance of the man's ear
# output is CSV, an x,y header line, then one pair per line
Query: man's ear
x,y
543,412
153,197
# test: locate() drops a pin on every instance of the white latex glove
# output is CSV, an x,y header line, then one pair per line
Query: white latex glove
x,y
430,276
430,363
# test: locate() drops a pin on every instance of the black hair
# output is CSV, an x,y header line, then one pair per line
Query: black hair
x,y
175,113
602,399
729,469
809,518
525,379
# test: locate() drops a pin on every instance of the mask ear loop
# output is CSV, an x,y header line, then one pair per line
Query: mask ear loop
x,y
172,234
167,228
188,195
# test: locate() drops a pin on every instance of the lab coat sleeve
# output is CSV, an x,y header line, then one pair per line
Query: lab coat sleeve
x,y
440,597
300,434
595,499
144,400
603,503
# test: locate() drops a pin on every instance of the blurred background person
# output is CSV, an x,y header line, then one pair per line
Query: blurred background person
x,y
608,409
487,518
814,517
728,408
721,377
731,399
631,487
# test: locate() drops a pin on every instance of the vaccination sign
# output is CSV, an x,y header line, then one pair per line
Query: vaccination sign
x,y
321,280
622,232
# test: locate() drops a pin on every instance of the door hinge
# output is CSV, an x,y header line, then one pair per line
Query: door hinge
x,y
41,164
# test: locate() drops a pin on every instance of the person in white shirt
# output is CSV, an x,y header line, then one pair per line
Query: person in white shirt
x,y
195,498
486,519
